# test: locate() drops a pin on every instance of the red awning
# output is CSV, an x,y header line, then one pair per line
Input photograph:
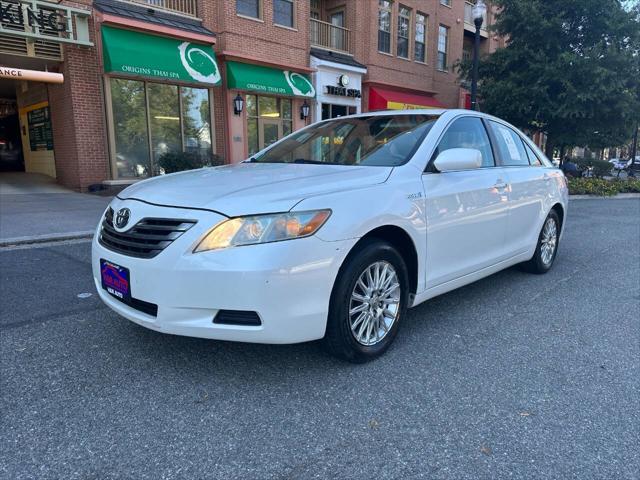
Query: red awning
x,y
383,99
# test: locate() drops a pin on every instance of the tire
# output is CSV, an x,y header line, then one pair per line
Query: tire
x,y
543,259
364,343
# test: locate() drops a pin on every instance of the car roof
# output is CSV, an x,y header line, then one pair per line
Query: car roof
x,y
450,112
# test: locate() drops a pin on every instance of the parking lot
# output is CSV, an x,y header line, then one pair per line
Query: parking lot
x,y
515,376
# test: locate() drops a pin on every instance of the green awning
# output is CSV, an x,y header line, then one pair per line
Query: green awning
x,y
245,76
135,53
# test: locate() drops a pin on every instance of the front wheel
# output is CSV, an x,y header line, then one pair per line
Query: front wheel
x,y
368,301
547,246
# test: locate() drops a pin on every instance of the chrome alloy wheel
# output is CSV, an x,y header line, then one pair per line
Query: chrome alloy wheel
x,y
375,303
549,241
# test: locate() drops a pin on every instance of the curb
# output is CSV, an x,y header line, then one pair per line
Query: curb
x,y
619,196
52,237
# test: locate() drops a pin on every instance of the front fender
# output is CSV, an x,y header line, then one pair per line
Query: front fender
x,y
356,213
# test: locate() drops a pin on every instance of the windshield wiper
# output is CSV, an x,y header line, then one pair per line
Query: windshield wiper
x,y
312,162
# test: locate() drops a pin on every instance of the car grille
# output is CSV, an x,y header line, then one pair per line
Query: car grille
x,y
145,239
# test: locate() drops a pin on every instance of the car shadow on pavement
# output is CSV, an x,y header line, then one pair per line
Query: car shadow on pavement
x,y
443,315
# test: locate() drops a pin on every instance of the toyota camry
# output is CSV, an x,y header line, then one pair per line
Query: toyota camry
x,y
333,232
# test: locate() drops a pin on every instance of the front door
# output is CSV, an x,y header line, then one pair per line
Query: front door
x,y
269,131
467,210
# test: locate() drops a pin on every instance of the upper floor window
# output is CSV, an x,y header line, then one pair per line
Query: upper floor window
x,y
249,8
443,45
283,12
419,48
446,3
384,26
467,132
404,20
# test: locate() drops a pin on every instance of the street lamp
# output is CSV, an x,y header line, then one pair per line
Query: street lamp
x,y
478,12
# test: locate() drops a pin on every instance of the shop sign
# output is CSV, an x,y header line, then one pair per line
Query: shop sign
x,y
33,75
342,91
257,78
45,21
140,54
40,132
383,99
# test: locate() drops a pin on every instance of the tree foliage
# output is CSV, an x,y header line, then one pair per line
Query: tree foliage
x,y
571,68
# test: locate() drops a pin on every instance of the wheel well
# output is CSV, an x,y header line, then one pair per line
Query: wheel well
x,y
560,211
403,243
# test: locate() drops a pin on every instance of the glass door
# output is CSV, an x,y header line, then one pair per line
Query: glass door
x,y
337,34
164,123
270,130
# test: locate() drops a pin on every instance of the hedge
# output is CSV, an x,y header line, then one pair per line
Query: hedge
x,y
601,187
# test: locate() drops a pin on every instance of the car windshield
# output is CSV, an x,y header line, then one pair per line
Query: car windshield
x,y
375,140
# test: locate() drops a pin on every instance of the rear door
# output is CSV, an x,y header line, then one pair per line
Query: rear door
x,y
528,185
466,210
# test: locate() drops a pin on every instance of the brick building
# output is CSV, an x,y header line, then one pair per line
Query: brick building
x,y
151,86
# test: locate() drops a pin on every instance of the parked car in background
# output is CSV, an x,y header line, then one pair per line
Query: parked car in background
x,y
619,163
333,231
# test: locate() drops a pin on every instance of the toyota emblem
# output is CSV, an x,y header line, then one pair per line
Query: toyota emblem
x,y
122,217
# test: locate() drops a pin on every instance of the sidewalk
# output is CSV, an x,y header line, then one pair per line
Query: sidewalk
x,y
33,208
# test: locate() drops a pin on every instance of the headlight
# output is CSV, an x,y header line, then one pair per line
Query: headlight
x,y
263,229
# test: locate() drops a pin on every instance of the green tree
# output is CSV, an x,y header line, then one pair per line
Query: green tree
x,y
571,69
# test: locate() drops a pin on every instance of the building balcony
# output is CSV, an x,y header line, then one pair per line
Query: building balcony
x,y
469,25
187,8
330,37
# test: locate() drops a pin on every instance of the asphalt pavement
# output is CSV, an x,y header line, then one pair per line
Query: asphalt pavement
x,y
515,376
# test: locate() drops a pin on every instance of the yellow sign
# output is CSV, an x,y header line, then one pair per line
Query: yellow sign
x,y
405,106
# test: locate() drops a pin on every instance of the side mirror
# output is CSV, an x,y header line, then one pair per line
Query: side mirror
x,y
458,159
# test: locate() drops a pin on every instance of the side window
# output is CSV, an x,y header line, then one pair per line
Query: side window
x,y
512,152
467,132
533,158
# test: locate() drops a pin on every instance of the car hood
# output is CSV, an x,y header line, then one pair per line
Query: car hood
x,y
252,188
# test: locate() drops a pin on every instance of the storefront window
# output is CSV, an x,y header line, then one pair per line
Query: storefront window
x,y
176,127
268,120
333,111
196,121
164,108
130,128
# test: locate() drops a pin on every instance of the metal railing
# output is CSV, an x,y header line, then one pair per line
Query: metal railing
x,y
182,7
332,37
468,16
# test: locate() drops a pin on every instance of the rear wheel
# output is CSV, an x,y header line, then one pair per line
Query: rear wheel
x,y
368,301
547,246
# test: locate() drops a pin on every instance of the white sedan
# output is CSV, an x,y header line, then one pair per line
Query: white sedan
x,y
332,232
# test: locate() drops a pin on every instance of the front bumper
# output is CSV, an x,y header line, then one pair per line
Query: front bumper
x,y
287,283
